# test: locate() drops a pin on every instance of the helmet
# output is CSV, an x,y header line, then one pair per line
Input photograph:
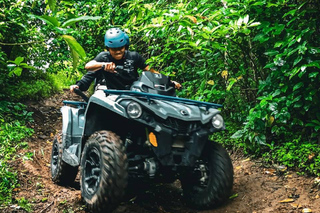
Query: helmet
x,y
127,40
115,38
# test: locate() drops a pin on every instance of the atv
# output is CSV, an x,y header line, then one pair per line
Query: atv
x,y
142,134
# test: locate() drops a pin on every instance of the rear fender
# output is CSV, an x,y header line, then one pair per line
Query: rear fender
x,y
72,128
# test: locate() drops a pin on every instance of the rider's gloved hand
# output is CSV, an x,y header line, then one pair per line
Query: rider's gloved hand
x,y
176,85
109,67
72,87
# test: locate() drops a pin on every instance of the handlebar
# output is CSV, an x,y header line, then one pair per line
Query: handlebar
x,y
80,93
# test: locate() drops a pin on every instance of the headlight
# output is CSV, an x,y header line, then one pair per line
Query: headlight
x,y
134,110
217,121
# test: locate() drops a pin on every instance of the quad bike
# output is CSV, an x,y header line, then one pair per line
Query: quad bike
x,y
141,134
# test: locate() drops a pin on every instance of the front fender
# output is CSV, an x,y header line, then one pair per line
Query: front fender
x,y
102,113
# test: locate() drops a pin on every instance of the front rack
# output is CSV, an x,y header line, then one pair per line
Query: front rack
x,y
149,96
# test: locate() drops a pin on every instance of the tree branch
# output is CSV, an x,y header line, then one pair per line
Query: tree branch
x,y
18,44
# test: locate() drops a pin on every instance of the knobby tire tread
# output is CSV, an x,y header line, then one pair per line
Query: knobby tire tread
x,y
66,174
114,172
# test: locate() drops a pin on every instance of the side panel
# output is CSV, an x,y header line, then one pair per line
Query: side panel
x,y
72,127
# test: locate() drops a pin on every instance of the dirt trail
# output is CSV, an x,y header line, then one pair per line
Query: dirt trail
x,y
256,189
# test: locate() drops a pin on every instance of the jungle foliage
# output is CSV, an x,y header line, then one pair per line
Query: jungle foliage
x,y
260,59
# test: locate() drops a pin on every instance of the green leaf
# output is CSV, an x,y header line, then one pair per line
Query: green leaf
x,y
261,139
18,60
75,59
291,12
294,72
258,3
298,86
74,45
26,66
297,60
253,24
231,82
314,64
292,42
273,106
296,99
276,93
237,134
82,18
47,19
17,71
215,28
292,20
263,102
316,122
261,38
233,196
274,129
272,5
246,19
291,51
270,65
313,74
52,4
62,31
297,105
278,29
284,88
278,44
51,20
271,53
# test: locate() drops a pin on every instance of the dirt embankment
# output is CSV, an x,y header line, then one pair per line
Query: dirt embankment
x,y
256,189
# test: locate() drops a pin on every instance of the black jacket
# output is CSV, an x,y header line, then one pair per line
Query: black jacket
x,y
123,80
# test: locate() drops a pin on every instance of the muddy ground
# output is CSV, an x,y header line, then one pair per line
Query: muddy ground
x,y
257,188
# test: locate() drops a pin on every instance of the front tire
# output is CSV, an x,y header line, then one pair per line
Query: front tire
x,y
211,181
61,172
104,171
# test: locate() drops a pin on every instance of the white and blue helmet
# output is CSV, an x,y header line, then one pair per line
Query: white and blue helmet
x,y
115,38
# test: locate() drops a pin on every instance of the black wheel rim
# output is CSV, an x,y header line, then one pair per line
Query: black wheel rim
x,y
54,157
92,171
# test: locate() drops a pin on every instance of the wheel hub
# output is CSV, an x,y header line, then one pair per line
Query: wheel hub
x,y
54,158
92,171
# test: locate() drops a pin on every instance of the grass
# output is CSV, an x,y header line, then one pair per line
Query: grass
x,y
13,131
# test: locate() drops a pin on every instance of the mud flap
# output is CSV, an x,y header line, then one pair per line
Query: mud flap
x,y
69,155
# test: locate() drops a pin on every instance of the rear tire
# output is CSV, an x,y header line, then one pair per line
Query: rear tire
x,y
104,172
61,172
210,183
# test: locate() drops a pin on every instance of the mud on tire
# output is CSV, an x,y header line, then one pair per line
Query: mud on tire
x,y
104,171
210,183
61,172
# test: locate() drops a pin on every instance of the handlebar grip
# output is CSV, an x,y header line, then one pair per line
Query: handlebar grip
x,y
80,93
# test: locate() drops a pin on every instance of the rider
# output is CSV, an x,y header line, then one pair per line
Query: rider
x,y
102,67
